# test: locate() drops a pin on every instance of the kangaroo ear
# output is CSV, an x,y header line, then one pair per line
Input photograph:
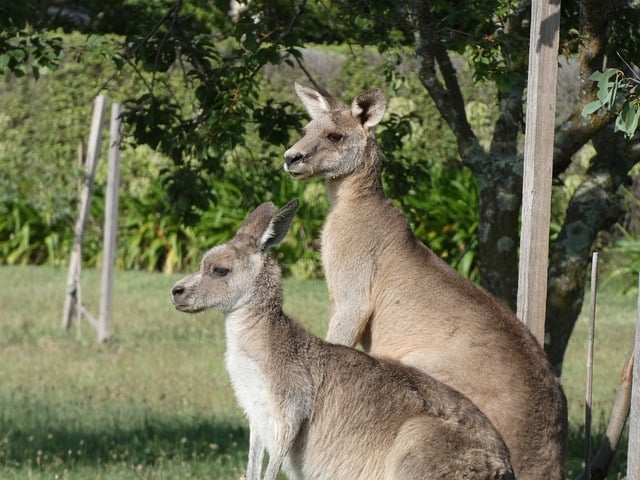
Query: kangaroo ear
x,y
369,107
279,225
315,102
257,221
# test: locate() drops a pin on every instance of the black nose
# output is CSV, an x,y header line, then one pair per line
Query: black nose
x,y
177,290
293,158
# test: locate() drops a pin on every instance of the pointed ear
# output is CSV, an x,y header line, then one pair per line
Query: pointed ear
x,y
257,221
369,107
279,225
315,102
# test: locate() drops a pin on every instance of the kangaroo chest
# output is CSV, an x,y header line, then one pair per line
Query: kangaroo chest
x,y
251,388
350,246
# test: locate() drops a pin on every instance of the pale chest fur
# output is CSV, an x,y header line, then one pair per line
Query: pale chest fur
x,y
350,247
250,385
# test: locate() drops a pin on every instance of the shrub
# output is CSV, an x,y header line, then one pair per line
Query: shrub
x,y
30,236
39,176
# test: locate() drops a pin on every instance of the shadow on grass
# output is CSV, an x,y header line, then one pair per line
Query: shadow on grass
x,y
150,442
157,439
576,452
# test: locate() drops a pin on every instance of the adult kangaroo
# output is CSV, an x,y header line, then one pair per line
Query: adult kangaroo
x,y
395,296
325,411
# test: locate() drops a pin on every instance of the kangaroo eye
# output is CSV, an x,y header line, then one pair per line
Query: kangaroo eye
x,y
219,271
334,137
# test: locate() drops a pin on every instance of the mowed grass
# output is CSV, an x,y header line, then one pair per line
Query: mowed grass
x,y
155,401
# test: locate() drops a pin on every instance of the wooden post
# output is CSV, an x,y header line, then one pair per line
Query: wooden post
x,y
75,260
110,225
633,451
538,165
590,342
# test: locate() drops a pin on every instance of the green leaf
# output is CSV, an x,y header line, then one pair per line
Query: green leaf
x,y
591,107
605,90
604,75
628,118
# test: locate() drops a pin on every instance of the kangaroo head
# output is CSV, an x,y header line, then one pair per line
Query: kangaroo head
x,y
231,273
337,138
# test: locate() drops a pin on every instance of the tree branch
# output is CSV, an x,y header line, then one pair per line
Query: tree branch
x,y
431,56
577,130
510,122
308,74
574,133
594,16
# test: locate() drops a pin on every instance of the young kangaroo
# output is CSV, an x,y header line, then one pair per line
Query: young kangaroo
x,y
393,294
328,411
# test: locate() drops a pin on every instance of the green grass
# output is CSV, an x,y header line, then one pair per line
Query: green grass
x,y
155,402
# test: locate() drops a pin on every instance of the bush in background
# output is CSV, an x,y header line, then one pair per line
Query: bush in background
x,y
43,125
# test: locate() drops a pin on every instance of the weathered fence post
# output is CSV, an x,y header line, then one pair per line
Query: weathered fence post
x,y
538,162
590,341
110,225
75,260
633,451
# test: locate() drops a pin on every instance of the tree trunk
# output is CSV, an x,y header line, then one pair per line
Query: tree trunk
x,y
632,218
500,195
595,206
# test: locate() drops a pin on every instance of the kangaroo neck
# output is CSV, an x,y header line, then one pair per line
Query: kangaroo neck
x,y
260,327
363,182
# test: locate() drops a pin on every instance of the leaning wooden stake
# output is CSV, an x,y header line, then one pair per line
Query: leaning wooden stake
x,y
110,225
75,259
633,456
590,341
617,420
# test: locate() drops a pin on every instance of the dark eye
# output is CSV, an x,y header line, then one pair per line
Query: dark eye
x,y
219,271
334,137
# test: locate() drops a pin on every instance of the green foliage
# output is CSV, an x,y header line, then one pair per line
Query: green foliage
x,y
200,101
29,237
25,51
627,247
165,223
197,108
443,212
24,47
617,94
624,254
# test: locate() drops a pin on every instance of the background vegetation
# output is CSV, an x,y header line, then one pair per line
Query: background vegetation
x,y
43,125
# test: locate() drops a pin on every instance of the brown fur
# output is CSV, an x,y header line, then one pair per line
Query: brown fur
x,y
328,411
393,294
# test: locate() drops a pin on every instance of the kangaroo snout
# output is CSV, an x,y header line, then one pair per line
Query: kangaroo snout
x,y
291,158
180,298
176,291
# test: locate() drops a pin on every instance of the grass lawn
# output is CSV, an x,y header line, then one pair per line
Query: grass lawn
x,y
155,401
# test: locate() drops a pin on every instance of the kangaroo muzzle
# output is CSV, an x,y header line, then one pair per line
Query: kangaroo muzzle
x,y
292,158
